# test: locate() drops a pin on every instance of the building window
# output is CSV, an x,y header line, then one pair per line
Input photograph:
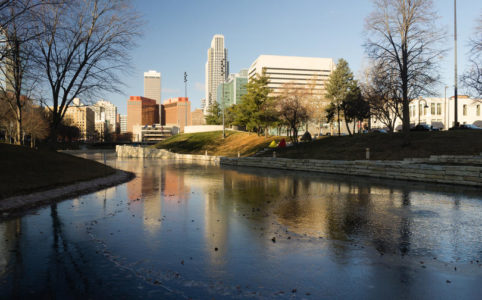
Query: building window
x,y
477,109
464,109
439,109
432,108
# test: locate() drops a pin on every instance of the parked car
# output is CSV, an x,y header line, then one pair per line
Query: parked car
x,y
466,127
379,130
421,127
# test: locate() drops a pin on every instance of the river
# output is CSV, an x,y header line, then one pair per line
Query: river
x,y
201,231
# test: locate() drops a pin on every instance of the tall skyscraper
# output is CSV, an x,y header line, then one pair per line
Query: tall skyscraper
x,y
217,57
152,86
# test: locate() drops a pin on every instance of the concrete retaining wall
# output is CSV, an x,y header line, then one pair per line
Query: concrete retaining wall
x,y
202,128
406,170
142,152
437,169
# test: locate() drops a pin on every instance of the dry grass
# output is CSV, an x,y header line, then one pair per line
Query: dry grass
x,y
197,143
24,170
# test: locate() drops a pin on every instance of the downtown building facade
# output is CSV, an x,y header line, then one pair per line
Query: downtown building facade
x,y
216,70
141,111
234,88
177,112
152,87
440,112
82,117
106,112
302,72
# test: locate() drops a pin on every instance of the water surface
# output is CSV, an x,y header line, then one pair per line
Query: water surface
x,y
200,231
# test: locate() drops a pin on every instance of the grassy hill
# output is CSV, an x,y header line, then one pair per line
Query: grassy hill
x,y
387,146
24,170
197,143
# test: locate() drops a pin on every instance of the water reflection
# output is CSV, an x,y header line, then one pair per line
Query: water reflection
x,y
179,230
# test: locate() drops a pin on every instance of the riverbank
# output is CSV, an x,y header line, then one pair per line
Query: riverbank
x,y
40,174
447,169
385,146
244,143
37,199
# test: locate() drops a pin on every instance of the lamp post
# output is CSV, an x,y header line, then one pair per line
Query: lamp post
x,y
447,108
185,95
420,109
456,121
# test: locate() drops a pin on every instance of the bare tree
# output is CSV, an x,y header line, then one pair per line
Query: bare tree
x,y
17,68
472,79
35,124
86,45
403,35
292,107
380,87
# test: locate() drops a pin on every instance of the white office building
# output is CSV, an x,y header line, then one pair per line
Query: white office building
x,y
440,112
123,123
300,71
216,64
106,112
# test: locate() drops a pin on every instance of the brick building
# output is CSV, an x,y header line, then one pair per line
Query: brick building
x,y
177,112
141,111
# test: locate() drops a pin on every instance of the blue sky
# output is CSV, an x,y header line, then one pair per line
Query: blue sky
x,y
177,34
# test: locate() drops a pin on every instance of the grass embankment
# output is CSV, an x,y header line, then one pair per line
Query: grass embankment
x,y
24,170
197,143
387,146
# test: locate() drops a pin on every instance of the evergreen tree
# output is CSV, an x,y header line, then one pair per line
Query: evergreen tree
x,y
256,110
214,116
338,87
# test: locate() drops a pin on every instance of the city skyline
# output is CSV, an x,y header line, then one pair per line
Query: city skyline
x,y
306,28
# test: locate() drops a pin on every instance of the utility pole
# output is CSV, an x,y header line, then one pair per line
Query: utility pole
x,y
456,120
185,95
223,71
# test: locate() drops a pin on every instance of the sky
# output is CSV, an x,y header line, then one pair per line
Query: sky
x,y
177,34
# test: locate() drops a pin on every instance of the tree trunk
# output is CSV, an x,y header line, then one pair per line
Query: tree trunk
x,y
347,126
338,112
18,134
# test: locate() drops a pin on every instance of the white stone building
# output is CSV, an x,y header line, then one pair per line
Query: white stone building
x,y
440,112
105,111
301,71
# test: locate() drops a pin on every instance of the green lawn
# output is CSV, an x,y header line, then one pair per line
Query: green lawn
x,y
24,170
387,146
197,143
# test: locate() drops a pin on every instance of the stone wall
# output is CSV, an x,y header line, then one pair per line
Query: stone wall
x,y
432,171
144,152
464,170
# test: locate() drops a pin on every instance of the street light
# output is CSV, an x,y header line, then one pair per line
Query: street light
x,y
420,109
447,108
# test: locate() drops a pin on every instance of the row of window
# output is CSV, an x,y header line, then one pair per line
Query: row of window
x,y
436,110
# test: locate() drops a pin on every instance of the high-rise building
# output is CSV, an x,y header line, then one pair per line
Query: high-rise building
x,y
152,86
123,123
178,112
105,111
216,64
83,117
300,71
234,88
141,111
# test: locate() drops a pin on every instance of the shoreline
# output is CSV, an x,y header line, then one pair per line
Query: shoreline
x,y
37,199
445,169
